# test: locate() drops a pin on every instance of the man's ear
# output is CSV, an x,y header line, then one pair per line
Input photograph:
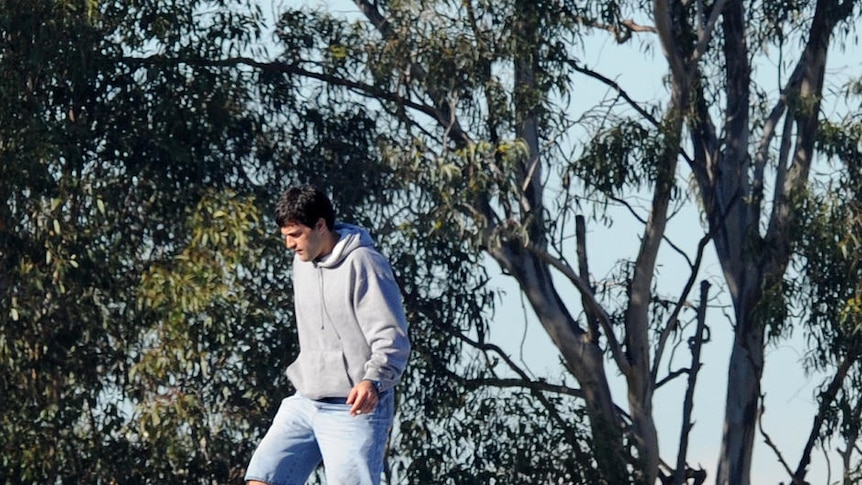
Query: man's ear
x,y
321,224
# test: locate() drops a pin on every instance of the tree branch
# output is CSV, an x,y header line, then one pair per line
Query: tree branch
x,y
443,112
621,35
826,399
769,441
704,32
696,343
613,85
584,270
674,316
805,105
362,89
536,388
590,303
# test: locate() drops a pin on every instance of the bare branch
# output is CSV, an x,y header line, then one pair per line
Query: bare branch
x,y
640,219
671,376
769,441
696,343
523,382
674,316
584,269
616,88
536,388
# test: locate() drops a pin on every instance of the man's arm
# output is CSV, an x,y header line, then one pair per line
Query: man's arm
x,y
377,302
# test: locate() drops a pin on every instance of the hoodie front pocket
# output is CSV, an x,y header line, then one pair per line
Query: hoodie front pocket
x,y
322,373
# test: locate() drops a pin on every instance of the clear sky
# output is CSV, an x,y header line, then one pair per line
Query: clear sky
x,y
789,393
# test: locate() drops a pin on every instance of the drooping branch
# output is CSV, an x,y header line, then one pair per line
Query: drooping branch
x,y
616,88
850,440
363,89
444,112
768,440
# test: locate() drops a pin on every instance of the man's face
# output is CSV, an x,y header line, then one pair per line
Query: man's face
x,y
308,242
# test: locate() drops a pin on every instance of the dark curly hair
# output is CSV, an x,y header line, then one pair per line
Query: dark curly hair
x,y
304,204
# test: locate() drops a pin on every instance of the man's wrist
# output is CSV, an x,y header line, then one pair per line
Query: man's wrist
x,y
378,386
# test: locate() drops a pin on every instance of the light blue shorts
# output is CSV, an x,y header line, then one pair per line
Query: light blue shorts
x,y
305,432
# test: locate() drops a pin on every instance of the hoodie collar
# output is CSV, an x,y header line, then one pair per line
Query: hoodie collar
x,y
350,238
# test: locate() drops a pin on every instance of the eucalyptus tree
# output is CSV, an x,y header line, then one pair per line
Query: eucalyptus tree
x,y
125,206
144,311
472,103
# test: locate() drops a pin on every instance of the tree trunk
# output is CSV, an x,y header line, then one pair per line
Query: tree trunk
x,y
744,373
583,358
751,262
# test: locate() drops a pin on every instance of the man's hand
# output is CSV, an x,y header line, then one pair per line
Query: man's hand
x,y
363,397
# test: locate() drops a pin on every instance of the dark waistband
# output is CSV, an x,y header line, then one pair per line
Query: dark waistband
x,y
332,400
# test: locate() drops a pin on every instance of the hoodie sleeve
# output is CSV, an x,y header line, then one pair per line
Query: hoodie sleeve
x,y
380,313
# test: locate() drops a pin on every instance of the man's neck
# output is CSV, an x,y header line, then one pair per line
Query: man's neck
x,y
332,238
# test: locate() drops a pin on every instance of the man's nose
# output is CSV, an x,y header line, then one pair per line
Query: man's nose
x,y
289,242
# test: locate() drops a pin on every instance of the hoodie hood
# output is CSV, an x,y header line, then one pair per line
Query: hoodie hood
x,y
350,238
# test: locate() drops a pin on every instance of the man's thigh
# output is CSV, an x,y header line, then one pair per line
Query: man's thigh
x,y
353,447
288,453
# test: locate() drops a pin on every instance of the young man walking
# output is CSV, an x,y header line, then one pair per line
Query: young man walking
x,y
353,350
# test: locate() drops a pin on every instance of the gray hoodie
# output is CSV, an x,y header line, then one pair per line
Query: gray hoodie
x,y
349,318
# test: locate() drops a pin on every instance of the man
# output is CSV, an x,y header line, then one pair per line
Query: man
x,y
353,349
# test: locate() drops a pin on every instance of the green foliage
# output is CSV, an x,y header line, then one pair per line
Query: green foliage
x,y
146,313
622,157
496,436
831,245
192,380
829,261
103,151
